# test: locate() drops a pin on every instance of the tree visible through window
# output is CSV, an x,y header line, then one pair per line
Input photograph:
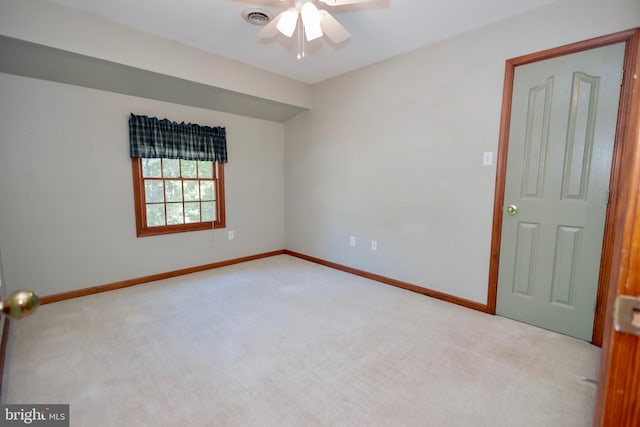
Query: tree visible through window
x,y
174,195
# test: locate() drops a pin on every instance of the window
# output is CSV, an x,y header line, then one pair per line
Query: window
x,y
174,195
178,175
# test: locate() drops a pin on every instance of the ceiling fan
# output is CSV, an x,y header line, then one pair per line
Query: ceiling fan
x,y
313,22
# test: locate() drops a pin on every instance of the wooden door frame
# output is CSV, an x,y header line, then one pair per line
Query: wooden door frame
x,y
618,180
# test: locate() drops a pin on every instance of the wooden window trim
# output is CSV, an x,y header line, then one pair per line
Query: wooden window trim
x,y
141,213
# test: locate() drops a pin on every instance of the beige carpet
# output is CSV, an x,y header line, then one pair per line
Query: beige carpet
x,y
284,342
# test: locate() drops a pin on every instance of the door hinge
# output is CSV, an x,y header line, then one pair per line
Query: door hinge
x,y
622,78
608,197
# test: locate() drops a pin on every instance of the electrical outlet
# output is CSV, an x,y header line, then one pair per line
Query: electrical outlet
x,y
352,241
231,235
374,245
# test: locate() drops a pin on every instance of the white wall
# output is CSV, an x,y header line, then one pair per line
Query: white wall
x,y
393,152
66,197
50,24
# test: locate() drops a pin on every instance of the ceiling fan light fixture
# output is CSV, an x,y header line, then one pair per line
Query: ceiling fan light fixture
x,y
287,22
311,19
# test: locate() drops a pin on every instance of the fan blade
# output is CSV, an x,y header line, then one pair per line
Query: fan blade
x,y
345,2
271,29
332,28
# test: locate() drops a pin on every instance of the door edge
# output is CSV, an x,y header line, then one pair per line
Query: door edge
x,y
618,388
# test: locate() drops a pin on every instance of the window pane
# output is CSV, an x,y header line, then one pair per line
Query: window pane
x,y
206,190
174,214
153,191
189,169
173,190
171,168
191,193
205,169
192,212
155,215
208,211
151,168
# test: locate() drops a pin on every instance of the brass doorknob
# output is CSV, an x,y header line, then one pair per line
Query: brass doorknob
x,y
512,210
19,304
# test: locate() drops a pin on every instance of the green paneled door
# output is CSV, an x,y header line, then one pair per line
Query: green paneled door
x,y
561,138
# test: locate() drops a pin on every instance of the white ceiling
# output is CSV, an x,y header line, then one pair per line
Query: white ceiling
x,y
379,30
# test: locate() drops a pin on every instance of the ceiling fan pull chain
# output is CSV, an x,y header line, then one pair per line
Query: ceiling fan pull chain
x,y
303,40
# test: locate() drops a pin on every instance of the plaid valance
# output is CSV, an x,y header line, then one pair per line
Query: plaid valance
x,y
153,138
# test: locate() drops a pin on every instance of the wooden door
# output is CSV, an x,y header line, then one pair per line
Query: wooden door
x,y
618,402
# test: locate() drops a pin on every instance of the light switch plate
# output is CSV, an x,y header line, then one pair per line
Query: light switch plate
x,y
487,158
